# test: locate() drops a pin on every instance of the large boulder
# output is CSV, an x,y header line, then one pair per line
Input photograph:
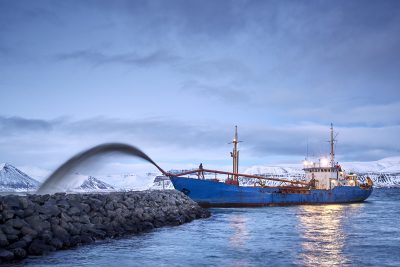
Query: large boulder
x,y
60,233
74,211
19,253
16,223
39,247
49,210
3,240
38,223
6,255
19,244
11,202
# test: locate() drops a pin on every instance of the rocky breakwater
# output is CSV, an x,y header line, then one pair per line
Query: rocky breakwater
x,y
37,224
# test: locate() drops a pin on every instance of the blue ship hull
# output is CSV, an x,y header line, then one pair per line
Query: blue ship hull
x,y
211,193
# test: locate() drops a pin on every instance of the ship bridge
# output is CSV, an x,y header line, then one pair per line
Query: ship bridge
x,y
326,173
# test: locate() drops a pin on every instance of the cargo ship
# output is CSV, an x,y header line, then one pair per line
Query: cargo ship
x,y
325,183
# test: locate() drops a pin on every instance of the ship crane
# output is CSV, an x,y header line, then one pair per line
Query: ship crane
x,y
235,170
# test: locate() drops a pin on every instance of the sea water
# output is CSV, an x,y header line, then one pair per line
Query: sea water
x,y
362,234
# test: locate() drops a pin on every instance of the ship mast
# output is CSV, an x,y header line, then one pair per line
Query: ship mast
x,y
235,155
332,142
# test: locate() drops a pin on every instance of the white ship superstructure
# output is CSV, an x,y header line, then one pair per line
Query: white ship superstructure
x,y
326,173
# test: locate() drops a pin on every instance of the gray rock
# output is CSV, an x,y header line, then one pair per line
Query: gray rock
x,y
139,211
45,235
12,238
24,202
8,230
19,253
97,220
74,211
19,213
16,223
75,218
39,199
29,211
148,226
49,222
3,240
18,244
84,219
8,214
58,196
70,228
51,210
26,230
119,206
37,223
39,247
54,221
86,239
97,233
44,198
109,206
85,208
28,238
62,203
64,217
75,240
111,214
76,228
11,201
86,227
6,255
95,203
58,244
60,233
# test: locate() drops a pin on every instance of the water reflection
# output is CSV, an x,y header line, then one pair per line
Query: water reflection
x,y
239,238
240,232
322,235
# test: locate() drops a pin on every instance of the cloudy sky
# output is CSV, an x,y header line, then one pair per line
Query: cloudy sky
x,y
174,77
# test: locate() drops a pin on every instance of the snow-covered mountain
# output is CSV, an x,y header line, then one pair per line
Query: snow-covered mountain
x,y
386,165
384,172
131,181
14,180
92,184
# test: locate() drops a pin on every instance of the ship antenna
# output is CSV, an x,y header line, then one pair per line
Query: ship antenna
x,y
307,149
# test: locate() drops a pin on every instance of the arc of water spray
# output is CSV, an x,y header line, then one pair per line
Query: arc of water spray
x,y
61,172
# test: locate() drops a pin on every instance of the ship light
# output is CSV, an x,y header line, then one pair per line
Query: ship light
x,y
324,162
